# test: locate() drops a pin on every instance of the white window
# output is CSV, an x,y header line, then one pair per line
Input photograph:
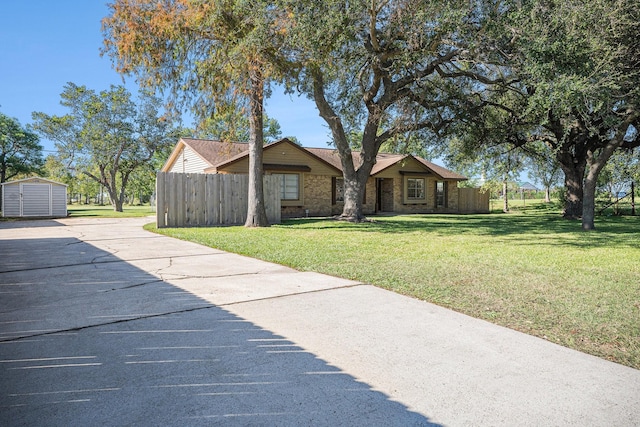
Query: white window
x,y
289,186
415,188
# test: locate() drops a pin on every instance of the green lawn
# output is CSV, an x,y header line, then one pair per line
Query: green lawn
x,y
108,212
530,271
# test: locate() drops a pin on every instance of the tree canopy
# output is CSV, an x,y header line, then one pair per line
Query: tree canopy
x,y
487,76
207,56
388,69
20,150
107,135
575,87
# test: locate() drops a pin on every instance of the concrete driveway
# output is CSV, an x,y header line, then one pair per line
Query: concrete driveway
x,y
103,323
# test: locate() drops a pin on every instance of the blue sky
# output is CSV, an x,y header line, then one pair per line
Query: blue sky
x,y
46,43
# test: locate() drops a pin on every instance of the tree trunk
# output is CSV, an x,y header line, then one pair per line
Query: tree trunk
x,y
547,194
354,180
588,203
256,212
596,160
354,189
574,190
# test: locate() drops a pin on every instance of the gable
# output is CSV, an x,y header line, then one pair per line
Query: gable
x,y
283,155
187,161
393,166
196,155
208,156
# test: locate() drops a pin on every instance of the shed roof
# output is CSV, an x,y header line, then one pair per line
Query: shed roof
x,y
34,179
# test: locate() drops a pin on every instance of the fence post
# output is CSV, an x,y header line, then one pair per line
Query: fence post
x,y
161,220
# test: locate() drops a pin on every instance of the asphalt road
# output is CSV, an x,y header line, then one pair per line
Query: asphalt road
x,y
103,323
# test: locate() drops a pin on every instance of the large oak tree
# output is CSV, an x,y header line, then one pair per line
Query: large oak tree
x,y
389,69
576,88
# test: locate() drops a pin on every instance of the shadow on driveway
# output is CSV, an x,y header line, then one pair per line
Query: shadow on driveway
x,y
87,339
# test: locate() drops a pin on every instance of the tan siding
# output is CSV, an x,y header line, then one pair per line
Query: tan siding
x,y
241,166
288,155
189,162
408,165
284,154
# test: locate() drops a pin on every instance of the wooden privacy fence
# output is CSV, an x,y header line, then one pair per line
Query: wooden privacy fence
x,y
198,199
472,200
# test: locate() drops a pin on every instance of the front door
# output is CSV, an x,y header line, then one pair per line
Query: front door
x,y
384,195
36,199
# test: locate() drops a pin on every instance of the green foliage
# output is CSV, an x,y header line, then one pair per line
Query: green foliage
x,y
212,57
200,53
620,171
107,136
574,87
20,151
390,74
232,125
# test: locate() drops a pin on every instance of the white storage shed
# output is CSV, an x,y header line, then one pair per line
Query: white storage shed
x,y
34,197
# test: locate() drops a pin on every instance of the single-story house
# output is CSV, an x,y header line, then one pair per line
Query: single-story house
x,y
34,197
312,182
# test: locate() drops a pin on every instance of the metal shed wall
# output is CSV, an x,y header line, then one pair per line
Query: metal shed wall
x,y
11,200
34,197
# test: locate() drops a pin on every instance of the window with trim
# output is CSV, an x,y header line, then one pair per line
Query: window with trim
x,y
415,188
441,194
289,186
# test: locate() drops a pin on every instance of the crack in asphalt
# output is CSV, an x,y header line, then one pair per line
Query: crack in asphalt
x,y
96,325
169,313
151,282
48,267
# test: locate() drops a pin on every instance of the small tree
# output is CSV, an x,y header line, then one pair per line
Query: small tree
x,y
620,171
544,168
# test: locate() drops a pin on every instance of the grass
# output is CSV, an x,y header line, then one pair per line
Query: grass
x,y
97,211
531,271
107,211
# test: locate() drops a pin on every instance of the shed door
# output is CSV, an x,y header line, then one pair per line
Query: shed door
x,y
36,199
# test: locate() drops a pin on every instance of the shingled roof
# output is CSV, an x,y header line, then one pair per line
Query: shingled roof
x,y
384,161
214,152
218,153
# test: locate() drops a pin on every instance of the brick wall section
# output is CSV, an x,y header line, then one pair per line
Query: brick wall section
x,y
429,207
317,198
317,194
